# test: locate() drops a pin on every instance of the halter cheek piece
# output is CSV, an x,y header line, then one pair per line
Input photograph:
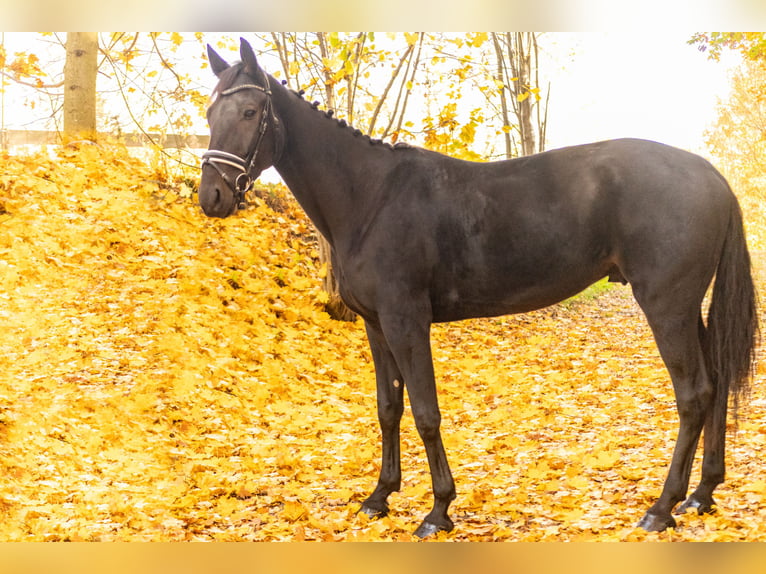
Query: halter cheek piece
x,y
214,158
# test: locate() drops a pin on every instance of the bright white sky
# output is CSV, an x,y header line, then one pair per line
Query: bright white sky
x,y
636,84
604,85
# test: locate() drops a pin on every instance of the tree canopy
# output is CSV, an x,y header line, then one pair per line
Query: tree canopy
x,y
411,86
752,45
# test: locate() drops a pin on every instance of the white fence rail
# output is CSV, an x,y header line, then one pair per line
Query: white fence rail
x,y
14,138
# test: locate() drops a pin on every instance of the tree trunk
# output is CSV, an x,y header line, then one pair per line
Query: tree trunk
x,y
500,77
80,72
521,66
518,74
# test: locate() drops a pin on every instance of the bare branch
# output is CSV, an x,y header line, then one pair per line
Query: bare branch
x,y
37,86
391,81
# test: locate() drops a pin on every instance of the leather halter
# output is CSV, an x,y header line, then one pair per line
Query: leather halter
x,y
214,158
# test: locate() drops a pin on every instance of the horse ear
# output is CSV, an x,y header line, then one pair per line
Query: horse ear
x,y
248,58
217,63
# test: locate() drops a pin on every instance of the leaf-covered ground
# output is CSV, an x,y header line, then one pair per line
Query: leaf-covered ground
x,y
165,376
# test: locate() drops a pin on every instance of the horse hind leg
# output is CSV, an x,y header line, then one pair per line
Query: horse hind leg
x,y
675,326
713,463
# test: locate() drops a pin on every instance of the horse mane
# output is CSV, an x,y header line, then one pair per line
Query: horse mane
x,y
344,124
228,77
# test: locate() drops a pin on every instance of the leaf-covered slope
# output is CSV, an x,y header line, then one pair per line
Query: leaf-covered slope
x,y
165,376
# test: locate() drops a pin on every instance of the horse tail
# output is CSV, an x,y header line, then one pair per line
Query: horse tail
x,y
732,326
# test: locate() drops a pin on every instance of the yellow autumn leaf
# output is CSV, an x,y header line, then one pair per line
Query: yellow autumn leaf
x,y
578,482
757,486
293,511
479,39
468,133
603,460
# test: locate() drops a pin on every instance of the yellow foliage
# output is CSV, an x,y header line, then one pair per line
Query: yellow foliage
x,y
479,38
737,143
411,38
166,376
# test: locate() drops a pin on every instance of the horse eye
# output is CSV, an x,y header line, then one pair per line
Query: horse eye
x,y
249,114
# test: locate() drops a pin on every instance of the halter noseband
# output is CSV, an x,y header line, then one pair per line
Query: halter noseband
x,y
212,157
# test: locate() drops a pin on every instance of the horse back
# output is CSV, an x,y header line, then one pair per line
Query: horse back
x,y
481,239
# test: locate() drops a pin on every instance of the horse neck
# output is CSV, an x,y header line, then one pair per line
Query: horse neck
x,y
327,168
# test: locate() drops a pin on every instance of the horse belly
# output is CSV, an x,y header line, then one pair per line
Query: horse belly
x,y
483,294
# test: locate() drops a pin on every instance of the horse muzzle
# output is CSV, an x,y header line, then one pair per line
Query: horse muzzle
x,y
216,199
224,195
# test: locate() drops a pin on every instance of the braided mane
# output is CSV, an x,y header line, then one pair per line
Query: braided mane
x,y
228,77
344,124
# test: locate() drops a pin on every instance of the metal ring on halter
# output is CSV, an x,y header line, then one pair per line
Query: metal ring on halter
x,y
243,189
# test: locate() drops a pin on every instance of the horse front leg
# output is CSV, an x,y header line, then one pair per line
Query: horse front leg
x,y
406,331
390,393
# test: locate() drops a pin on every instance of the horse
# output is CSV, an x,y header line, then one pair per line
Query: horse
x,y
418,237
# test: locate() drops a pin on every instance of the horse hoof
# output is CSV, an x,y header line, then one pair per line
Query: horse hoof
x,y
427,529
372,512
702,507
656,522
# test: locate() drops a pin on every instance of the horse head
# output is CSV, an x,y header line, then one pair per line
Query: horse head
x,y
246,136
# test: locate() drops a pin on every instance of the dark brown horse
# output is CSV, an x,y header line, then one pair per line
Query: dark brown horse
x,y
418,237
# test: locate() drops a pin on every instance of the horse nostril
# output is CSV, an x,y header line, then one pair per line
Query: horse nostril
x,y
211,200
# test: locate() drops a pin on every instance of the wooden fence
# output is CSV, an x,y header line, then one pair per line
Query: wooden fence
x,y
12,138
